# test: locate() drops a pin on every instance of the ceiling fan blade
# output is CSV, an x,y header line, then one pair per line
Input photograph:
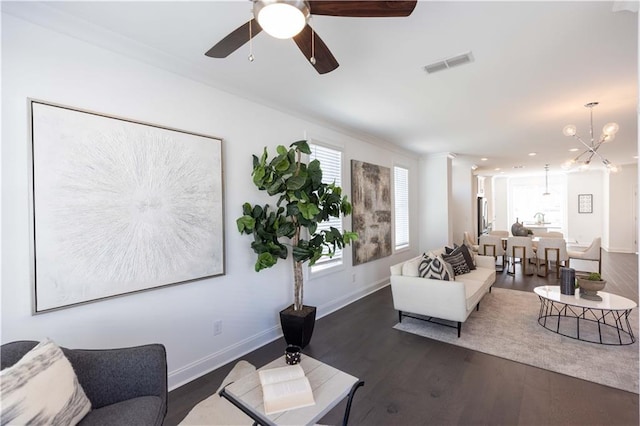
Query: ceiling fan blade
x,y
362,9
234,40
325,62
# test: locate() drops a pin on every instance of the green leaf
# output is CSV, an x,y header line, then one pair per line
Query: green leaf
x,y
274,188
280,163
312,228
265,260
345,206
258,175
308,210
257,211
349,237
286,229
295,182
315,173
246,209
263,158
245,224
303,146
281,150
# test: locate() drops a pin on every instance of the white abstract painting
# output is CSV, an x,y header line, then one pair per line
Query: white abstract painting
x,y
120,206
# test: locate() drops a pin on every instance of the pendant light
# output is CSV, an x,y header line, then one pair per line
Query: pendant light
x,y
546,180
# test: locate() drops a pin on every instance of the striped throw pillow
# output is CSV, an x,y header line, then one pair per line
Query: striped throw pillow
x,y
435,268
458,262
42,389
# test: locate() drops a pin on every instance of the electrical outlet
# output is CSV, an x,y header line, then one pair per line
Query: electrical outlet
x,y
217,327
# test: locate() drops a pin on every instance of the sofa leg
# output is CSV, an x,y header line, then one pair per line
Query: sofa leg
x,y
399,316
478,306
459,328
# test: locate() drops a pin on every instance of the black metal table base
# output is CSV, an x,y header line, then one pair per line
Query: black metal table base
x,y
553,313
259,419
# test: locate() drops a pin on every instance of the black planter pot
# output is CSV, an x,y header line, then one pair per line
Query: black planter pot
x,y
297,326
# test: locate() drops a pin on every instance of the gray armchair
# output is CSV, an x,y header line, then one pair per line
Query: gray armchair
x,y
126,386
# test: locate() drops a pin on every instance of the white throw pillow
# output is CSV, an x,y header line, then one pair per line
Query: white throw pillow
x,y
410,267
42,388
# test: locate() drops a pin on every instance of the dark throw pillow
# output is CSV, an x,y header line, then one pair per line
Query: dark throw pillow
x,y
468,257
458,263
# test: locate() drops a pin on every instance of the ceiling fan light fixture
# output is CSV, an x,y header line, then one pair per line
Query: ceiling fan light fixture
x,y
281,19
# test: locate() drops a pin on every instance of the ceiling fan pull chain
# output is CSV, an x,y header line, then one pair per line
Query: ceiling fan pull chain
x,y
313,47
251,58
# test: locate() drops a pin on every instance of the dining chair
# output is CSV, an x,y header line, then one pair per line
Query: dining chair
x,y
519,248
469,242
554,234
551,250
591,253
491,245
499,233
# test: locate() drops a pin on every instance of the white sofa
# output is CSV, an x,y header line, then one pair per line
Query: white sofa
x,y
436,299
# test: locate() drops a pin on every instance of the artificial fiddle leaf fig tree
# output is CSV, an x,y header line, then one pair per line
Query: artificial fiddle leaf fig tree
x,y
303,202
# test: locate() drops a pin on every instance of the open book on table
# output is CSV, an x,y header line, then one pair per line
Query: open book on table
x,y
285,388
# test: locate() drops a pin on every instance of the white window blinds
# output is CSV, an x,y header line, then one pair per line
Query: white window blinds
x,y
401,191
331,165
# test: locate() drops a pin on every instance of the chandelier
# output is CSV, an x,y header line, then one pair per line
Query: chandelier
x,y
583,160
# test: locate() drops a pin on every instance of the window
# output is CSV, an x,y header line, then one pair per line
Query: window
x,y
331,164
401,198
526,200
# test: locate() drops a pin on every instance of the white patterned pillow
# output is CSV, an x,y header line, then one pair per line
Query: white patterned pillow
x,y
42,388
435,268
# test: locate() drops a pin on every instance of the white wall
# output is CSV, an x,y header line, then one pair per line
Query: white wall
x,y
500,204
584,227
621,229
463,198
46,65
436,229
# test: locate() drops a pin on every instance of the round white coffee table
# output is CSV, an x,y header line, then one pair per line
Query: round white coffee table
x,y
611,314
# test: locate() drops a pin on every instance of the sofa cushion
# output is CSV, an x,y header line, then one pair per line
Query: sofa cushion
x,y
468,257
480,274
473,293
42,388
143,411
435,268
410,268
457,262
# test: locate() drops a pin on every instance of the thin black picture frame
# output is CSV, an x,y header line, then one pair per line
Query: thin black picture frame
x,y
585,203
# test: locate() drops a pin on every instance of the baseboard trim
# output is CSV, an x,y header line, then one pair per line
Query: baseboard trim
x,y
198,368
341,302
205,365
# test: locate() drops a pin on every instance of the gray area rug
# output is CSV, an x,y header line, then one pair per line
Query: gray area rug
x,y
507,326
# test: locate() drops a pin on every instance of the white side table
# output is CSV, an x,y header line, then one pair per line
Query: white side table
x,y
329,386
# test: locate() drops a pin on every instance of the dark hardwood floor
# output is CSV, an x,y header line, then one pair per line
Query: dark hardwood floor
x,y
410,380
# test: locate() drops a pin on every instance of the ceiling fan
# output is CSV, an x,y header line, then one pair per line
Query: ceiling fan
x,y
289,19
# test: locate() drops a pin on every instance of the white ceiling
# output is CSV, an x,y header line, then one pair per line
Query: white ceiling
x,y
536,65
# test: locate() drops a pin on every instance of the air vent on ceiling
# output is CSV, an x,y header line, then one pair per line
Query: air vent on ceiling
x,y
450,62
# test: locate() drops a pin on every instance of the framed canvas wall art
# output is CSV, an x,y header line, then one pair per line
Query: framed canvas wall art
x,y
585,203
120,206
371,216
